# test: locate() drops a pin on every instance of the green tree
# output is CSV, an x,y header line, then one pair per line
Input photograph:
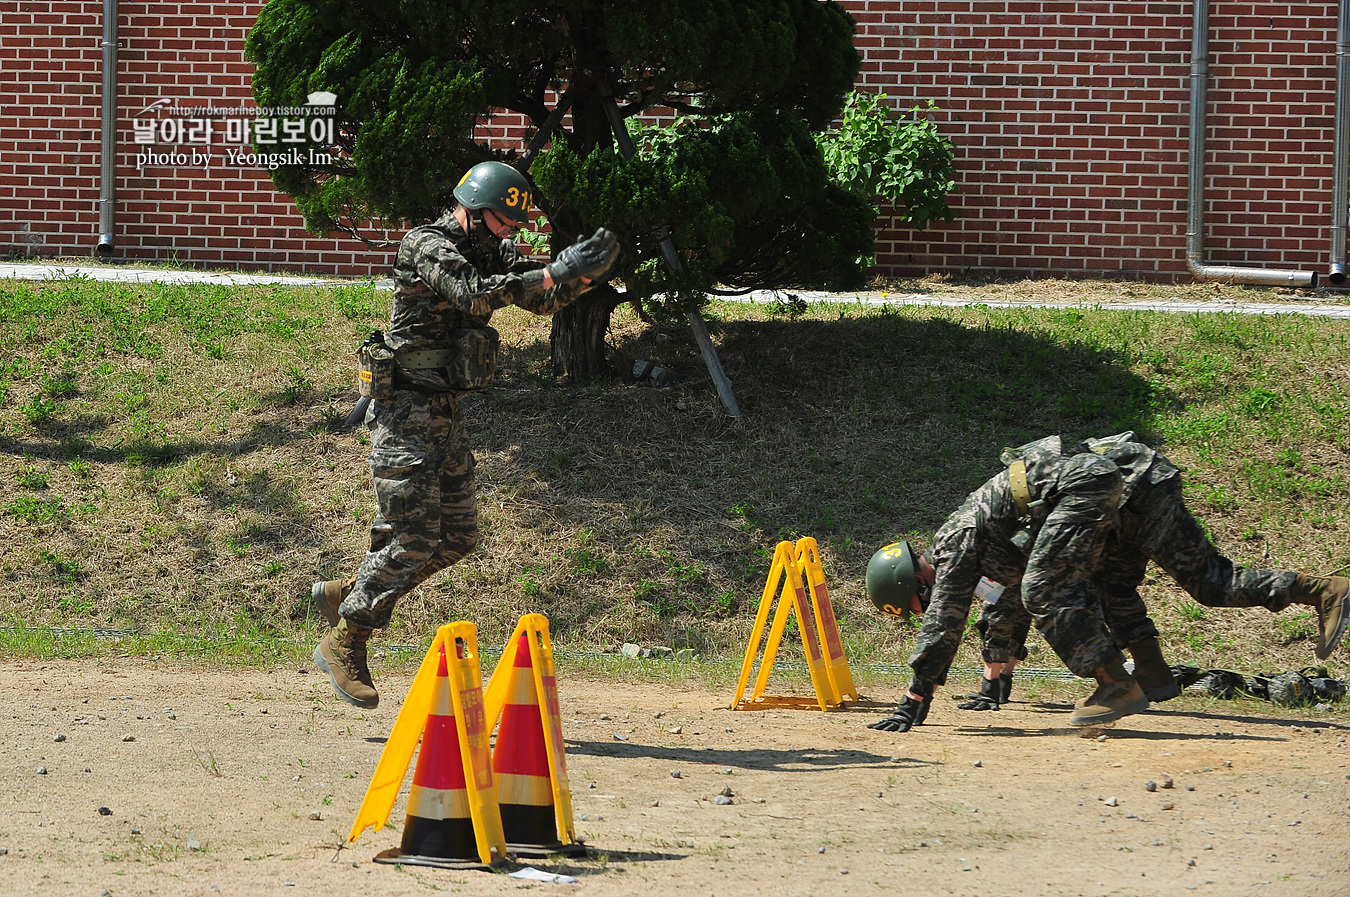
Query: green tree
x,y
738,181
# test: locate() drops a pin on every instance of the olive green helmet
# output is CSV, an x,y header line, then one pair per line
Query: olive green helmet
x,y
496,186
893,579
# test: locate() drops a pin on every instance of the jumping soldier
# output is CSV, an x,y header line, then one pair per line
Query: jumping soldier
x,y
1047,523
449,277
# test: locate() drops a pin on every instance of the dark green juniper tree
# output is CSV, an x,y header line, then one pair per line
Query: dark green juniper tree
x,y
737,181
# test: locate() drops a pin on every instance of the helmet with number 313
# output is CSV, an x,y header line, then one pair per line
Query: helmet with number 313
x,y
496,186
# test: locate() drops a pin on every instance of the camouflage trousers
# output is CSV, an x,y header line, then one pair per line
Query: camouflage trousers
x,y
1156,525
428,511
1056,587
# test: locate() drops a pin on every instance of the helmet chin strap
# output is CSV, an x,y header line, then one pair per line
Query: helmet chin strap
x,y
482,236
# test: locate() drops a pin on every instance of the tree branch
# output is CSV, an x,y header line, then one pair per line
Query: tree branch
x,y
545,130
351,229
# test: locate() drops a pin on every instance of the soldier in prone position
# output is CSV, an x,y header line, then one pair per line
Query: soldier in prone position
x,y
1073,532
449,277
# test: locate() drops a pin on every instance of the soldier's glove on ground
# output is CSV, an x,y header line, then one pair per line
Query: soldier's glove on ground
x,y
591,258
986,699
909,714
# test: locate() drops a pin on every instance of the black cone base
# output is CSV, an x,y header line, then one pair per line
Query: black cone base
x,y
450,839
529,824
394,856
541,851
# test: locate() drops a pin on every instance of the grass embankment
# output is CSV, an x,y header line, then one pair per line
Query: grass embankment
x,y
170,467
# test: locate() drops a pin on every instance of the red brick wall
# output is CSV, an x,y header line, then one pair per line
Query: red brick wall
x,y
192,53
1069,120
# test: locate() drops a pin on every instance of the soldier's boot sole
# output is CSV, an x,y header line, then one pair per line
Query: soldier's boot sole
x,y
366,702
1332,616
1109,703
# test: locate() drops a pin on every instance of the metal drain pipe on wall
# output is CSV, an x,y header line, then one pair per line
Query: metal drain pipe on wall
x,y
107,189
1195,224
1340,178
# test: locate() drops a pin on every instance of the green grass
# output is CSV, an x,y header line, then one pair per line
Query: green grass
x,y
173,472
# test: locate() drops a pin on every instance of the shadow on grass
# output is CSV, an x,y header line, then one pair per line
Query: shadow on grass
x,y
75,438
856,432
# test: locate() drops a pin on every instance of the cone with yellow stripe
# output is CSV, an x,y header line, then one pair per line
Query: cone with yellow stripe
x,y
439,823
520,762
453,821
521,765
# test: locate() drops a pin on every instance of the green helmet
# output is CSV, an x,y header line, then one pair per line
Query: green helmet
x,y
496,186
893,579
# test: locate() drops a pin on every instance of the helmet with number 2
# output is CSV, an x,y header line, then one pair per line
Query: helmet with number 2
x,y
496,186
893,580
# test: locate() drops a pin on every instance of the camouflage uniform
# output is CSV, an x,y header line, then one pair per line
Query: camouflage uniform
x,y
1081,493
1154,525
1003,627
444,279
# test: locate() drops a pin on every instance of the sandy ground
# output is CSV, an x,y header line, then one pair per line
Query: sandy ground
x,y
244,783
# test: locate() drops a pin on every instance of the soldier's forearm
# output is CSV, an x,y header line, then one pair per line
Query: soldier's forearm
x,y
551,300
535,282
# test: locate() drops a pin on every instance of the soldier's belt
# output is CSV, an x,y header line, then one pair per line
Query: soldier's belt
x,y
424,359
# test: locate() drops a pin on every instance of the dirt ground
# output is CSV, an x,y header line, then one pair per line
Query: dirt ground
x,y
244,783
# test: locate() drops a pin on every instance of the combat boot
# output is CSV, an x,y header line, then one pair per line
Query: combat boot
x,y
342,655
1151,671
327,596
1328,595
1117,695
1004,687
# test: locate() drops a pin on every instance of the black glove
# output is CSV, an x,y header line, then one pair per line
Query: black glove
x,y
909,714
986,698
591,258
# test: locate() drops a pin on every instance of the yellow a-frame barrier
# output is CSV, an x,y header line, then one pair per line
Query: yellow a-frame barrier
x,y
836,664
535,627
466,692
830,677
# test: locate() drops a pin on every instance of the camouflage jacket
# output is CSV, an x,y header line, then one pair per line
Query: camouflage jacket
x,y
1137,462
443,282
976,541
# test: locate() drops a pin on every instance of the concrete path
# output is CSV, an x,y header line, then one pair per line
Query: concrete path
x,y
1175,306
127,274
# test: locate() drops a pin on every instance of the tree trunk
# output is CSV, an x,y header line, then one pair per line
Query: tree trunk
x,y
579,334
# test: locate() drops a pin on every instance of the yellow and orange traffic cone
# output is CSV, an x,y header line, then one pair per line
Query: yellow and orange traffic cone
x,y
439,823
520,765
453,819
